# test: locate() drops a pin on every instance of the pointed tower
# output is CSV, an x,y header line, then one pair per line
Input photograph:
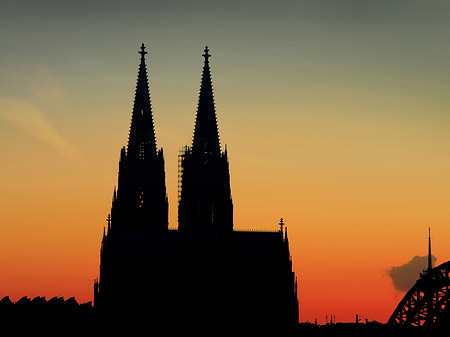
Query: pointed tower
x,y
205,198
206,133
141,200
138,219
142,140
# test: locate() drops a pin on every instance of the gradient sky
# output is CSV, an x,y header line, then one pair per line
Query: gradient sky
x,y
336,115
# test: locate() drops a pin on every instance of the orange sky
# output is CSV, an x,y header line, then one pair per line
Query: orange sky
x,y
335,118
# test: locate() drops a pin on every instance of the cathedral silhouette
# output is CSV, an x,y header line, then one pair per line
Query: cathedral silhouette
x,y
205,274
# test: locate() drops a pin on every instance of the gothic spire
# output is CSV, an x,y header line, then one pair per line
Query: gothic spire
x,y
206,133
142,140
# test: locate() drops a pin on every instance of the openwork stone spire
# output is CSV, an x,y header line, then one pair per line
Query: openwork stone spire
x,y
142,140
141,199
205,198
206,133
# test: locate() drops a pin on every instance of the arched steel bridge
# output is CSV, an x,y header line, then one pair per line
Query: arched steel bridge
x,y
427,302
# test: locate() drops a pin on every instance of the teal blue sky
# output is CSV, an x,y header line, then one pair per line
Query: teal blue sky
x,y
293,54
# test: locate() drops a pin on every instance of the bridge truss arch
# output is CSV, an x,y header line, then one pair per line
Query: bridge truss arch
x,y
427,302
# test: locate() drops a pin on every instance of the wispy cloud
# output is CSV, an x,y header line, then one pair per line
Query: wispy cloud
x,y
31,119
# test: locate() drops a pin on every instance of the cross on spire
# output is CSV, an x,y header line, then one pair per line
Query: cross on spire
x,y
206,55
142,51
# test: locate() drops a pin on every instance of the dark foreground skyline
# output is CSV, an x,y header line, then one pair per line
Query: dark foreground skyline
x,y
351,97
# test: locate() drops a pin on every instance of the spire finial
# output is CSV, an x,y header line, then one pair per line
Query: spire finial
x,y
142,51
206,55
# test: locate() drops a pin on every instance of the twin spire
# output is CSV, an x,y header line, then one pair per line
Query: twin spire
x,y
142,140
206,133
205,196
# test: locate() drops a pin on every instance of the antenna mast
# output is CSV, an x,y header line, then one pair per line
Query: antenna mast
x,y
430,263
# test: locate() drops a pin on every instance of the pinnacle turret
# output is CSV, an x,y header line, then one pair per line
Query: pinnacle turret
x,y
206,133
142,140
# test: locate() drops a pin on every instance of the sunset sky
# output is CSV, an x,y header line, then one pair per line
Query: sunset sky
x,y
336,116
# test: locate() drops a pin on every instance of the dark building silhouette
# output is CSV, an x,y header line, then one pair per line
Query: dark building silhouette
x,y
205,275
141,200
205,199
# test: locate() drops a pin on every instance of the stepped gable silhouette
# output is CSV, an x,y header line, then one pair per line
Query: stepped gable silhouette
x,y
205,275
